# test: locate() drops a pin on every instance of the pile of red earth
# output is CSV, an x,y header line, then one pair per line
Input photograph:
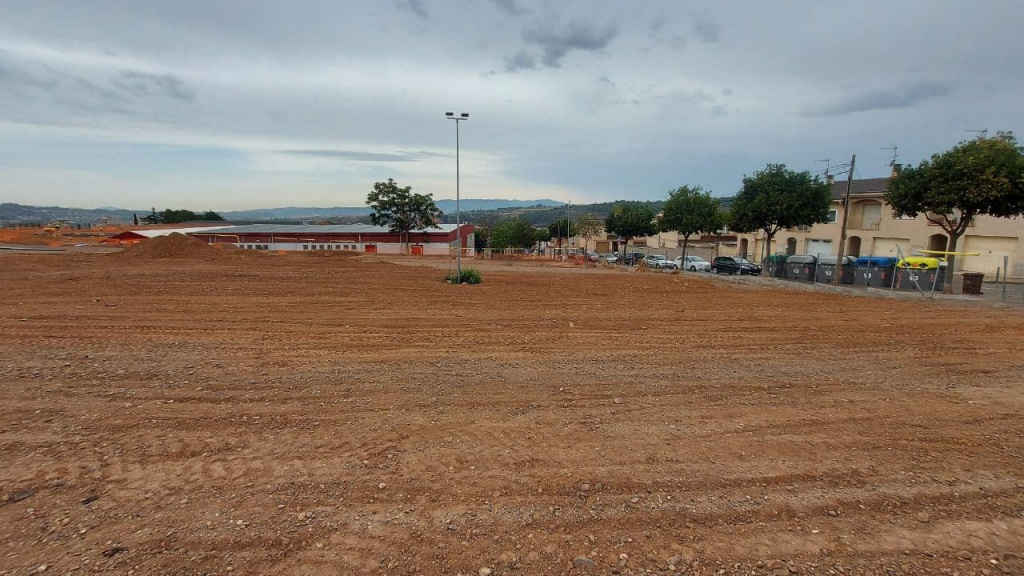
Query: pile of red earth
x,y
173,246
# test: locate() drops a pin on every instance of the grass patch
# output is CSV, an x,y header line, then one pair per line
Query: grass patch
x,y
469,276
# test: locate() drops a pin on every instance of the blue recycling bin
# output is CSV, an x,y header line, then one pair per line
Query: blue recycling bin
x,y
874,271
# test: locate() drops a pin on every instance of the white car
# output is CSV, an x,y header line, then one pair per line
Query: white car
x,y
658,261
693,264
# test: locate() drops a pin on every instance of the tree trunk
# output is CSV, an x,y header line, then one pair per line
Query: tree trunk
x,y
947,283
768,253
686,240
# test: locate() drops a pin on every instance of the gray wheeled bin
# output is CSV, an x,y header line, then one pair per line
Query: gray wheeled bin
x,y
801,268
874,271
827,269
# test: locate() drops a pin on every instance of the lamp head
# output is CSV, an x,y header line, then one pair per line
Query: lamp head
x,y
449,114
465,115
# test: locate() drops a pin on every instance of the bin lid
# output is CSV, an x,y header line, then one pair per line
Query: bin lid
x,y
882,261
777,257
920,262
847,260
803,259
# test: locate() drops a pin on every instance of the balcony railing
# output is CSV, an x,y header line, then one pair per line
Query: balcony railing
x,y
865,223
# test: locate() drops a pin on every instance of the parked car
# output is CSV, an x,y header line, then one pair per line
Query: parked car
x,y
693,264
659,261
733,265
632,258
592,257
610,258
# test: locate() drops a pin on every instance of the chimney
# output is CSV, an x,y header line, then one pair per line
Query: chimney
x,y
896,169
830,179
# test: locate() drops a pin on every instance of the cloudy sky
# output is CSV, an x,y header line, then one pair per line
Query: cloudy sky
x,y
230,104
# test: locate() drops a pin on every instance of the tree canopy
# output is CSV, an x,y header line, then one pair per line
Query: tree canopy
x,y
630,221
561,228
513,233
690,211
777,198
169,216
984,176
400,210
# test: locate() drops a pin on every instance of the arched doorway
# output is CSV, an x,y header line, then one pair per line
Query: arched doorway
x,y
937,242
853,246
790,246
743,248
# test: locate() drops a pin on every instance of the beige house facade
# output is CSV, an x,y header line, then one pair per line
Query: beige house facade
x,y
872,230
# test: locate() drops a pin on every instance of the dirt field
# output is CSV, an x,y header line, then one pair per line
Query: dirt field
x,y
335,415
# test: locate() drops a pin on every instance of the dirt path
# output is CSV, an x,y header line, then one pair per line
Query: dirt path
x,y
303,415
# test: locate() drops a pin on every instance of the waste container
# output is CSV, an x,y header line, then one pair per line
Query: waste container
x,y
775,265
827,269
972,282
915,272
874,271
801,268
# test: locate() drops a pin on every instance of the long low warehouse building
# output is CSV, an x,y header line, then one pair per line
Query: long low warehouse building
x,y
439,241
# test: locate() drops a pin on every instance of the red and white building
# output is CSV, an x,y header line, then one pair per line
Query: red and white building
x,y
439,241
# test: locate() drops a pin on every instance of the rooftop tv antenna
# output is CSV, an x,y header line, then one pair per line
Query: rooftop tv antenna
x,y
828,166
895,153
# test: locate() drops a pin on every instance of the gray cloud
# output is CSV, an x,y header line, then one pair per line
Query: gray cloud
x,y
366,156
880,99
417,7
706,30
511,7
727,92
556,43
521,60
160,85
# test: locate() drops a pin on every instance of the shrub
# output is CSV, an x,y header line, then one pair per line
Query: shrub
x,y
469,276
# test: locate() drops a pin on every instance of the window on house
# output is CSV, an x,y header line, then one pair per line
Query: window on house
x,y
803,227
833,215
305,246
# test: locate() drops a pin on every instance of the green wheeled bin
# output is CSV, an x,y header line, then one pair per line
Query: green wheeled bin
x,y
775,265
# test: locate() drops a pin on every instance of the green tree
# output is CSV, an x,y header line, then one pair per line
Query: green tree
x,y
777,198
211,215
629,221
690,211
588,226
400,210
562,228
513,233
984,176
153,217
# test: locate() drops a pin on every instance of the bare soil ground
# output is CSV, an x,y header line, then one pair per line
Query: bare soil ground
x,y
338,415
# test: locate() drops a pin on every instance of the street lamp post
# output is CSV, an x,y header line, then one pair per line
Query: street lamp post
x,y
458,212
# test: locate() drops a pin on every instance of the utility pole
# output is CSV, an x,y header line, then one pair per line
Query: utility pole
x,y
568,228
837,278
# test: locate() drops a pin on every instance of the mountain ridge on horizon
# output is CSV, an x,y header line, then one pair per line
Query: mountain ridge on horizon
x,y
13,212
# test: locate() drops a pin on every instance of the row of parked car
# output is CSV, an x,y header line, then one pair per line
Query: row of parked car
x,y
720,265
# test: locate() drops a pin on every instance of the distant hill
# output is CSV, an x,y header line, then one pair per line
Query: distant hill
x,y
24,214
542,215
313,213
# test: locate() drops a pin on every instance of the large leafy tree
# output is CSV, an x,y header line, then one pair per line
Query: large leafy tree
x,y
777,198
513,233
562,228
400,210
984,176
690,211
630,221
588,226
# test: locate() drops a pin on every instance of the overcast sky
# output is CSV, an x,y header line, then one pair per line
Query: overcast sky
x,y
218,104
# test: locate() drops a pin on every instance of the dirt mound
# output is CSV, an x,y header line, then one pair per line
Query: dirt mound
x,y
174,245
